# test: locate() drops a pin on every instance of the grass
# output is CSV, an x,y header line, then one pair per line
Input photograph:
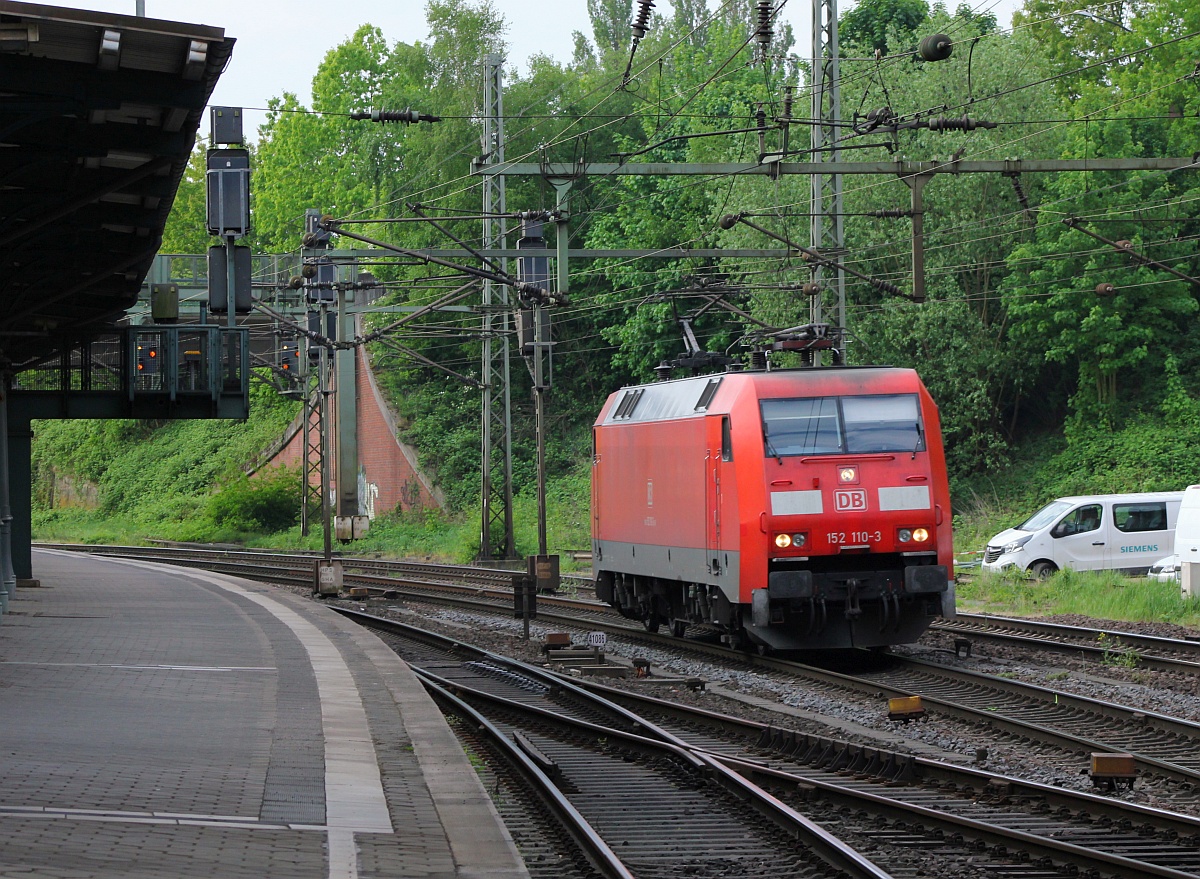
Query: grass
x,y
1098,594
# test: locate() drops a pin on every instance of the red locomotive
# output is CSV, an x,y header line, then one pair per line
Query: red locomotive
x,y
792,509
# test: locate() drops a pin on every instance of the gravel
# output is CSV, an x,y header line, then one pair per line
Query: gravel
x,y
778,699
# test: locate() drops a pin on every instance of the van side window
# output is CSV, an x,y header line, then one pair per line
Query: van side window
x,y
1079,521
1151,516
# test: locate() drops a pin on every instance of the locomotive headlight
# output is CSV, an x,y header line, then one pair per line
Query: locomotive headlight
x,y
905,535
798,540
847,475
783,541
920,535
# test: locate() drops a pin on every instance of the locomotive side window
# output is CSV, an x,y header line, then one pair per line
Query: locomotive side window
x,y
726,440
883,424
801,427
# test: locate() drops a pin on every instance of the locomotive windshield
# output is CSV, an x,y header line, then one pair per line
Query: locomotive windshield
x,y
842,425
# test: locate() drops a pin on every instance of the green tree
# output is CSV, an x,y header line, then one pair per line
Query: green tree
x,y
872,22
1143,103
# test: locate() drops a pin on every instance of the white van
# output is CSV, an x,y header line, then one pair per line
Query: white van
x,y
1106,532
1187,541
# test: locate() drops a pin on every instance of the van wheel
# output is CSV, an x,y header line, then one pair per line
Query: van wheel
x,y
1042,570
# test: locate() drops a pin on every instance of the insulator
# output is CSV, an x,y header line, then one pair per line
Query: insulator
x,y
964,123
406,115
641,24
312,239
295,282
763,32
935,47
758,359
811,289
1020,190
729,221
309,271
663,371
1125,245
1105,289
885,286
890,214
789,95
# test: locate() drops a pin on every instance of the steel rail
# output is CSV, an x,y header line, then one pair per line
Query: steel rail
x,y
597,851
1057,636
985,717
890,803
651,740
918,769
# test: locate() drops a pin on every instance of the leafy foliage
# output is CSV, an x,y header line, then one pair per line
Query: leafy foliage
x,y
271,502
1040,379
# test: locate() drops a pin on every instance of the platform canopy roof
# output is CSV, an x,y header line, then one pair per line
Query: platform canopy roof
x,y
98,116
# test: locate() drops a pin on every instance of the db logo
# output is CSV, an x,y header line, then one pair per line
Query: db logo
x,y
850,500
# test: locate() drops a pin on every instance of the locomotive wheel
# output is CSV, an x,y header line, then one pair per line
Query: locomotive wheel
x,y
678,628
1042,570
650,622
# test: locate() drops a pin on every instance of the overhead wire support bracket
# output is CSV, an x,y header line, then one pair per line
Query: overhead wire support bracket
x,y
525,291
730,220
1126,247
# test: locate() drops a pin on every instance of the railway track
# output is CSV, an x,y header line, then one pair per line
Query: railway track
x,y
1161,746
635,788
1106,645
892,803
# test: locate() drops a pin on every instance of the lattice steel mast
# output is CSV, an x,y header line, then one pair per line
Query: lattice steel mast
x,y
827,235
496,533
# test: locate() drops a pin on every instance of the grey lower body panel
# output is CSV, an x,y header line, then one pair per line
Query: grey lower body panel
x,y
720,568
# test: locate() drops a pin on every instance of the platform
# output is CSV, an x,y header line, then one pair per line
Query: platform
x,y
166,722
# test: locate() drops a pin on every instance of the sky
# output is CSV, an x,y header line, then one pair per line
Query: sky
x,y
280,43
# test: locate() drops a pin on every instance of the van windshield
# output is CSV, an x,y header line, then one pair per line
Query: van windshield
x,y
1047,515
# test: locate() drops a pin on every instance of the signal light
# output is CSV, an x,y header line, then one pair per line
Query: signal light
x,y
795,541
147,359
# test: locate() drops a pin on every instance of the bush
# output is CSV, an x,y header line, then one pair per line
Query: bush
x,y
270,502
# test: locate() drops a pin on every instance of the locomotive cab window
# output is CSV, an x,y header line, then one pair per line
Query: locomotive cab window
x,y
841,425
882,424
726,439
801,427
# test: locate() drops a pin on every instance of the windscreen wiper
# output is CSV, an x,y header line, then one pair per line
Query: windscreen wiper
x,y
770,447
